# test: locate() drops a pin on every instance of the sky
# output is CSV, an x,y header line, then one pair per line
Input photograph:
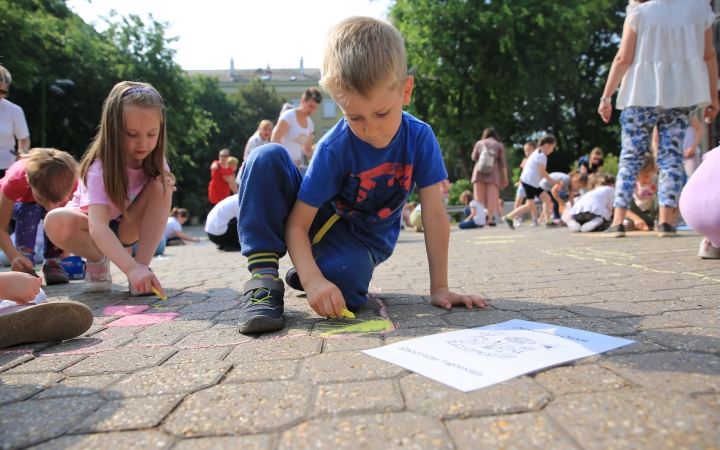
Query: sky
x,y
253,32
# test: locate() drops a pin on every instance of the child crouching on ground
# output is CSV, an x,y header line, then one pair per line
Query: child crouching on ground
x,y
700,204
124,193
593,212
37,183
565,190
474,213
643,208
343,218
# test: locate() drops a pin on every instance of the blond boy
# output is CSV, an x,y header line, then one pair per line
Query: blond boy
x,y
343,218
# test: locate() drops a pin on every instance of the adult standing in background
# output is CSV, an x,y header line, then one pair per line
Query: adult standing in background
x,y
222,178
668,66
487,181
12,126
295,128
261,137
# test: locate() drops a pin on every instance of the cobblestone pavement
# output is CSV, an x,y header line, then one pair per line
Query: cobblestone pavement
x,y
176,373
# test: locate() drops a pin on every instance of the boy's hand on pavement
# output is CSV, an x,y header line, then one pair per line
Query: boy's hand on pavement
x,y
325,298
19,287
446,300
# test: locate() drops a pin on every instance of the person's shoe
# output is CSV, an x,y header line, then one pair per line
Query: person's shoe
x,y
592,224
509,222
97,277
574,226
492,224
617,231
666,230
54,321
534,224
293,280
551,225
517,223
708,251
262,305
135,293
230,248
54,272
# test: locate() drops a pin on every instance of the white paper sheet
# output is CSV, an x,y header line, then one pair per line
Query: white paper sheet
x,y
472,359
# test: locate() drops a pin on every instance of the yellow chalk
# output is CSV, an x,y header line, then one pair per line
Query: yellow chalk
x,y
154,289
348,314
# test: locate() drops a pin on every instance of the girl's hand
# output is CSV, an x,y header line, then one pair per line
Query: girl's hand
x,y
445,299
605,111
641,225
325,298
689,152
21,264
143,280
19,287
170,180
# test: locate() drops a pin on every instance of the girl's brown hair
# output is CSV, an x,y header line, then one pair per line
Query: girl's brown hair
x,y
649,164
580,177
109,143
491,133
466,195
179,212
547,139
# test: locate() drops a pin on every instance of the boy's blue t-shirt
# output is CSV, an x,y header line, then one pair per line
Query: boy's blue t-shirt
x,y
368,185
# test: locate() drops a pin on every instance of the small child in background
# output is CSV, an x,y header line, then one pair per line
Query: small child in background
x,y
37,183
124,193
594,210
592,164
534,171
563,191
221,225
643,210
528,148
445,186
700,204
407,210
173,230
474,213
416,218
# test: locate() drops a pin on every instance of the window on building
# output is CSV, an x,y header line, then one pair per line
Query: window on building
x,y
329,109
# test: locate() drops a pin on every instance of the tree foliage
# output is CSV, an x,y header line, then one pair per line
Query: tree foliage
x,y
43,40
525,67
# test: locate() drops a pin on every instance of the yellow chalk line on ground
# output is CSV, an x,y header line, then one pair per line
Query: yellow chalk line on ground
x,y
365,327
636,266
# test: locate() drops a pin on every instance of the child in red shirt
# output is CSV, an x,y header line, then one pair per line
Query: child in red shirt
x,y
39,182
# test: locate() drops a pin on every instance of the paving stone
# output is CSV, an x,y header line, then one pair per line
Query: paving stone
x,y
47,364
346,366
207,306
82,386
580,379
669,371
712,400
611,310
637,419
272,349
244,372
479,317
195,355
601,326
14,388
405,300
10,360
240,409
120,361
417,315
351,343
695,339
532,430
129,440
129,414
429,397
389,431
167,333
548,314
171,379
108,338
252,442
223,333
31,422
358,397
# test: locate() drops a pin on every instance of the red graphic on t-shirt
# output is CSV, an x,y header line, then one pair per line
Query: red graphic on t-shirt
x,y
375,193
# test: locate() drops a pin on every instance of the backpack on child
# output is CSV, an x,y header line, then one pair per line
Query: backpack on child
x,y
486,161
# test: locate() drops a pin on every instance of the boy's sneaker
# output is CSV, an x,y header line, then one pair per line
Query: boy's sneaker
x,y
615,232
55,321
54,272
517,223
509,222
591,225
551,225
708,251
97,277
262,305
666,230
293,280
534,224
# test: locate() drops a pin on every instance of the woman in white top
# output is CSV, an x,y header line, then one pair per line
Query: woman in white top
x,y
12,126
295,128
261,137
668,66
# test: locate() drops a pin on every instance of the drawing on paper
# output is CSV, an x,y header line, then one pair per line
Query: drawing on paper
x,y
497,345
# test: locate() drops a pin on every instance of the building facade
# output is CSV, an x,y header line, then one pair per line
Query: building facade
x,y
288,83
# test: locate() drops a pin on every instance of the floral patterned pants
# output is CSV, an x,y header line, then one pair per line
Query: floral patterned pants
x,y
637,123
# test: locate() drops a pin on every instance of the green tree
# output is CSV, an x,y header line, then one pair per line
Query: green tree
x,y
525,67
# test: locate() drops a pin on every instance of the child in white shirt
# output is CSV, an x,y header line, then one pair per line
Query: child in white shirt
x,y
475,212
594,210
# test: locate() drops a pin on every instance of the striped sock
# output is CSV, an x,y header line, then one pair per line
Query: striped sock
x,y
266,272
266,264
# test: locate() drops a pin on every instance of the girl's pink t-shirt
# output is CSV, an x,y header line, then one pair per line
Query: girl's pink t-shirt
x,y
94,192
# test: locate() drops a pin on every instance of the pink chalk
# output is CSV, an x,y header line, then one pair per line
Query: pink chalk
x,y
143,319
126,310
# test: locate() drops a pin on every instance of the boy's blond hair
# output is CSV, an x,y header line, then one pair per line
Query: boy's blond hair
x,y
51,173
233,162
362,54
600,179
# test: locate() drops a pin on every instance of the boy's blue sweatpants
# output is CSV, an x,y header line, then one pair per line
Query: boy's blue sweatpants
x,y
27,217
269,185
